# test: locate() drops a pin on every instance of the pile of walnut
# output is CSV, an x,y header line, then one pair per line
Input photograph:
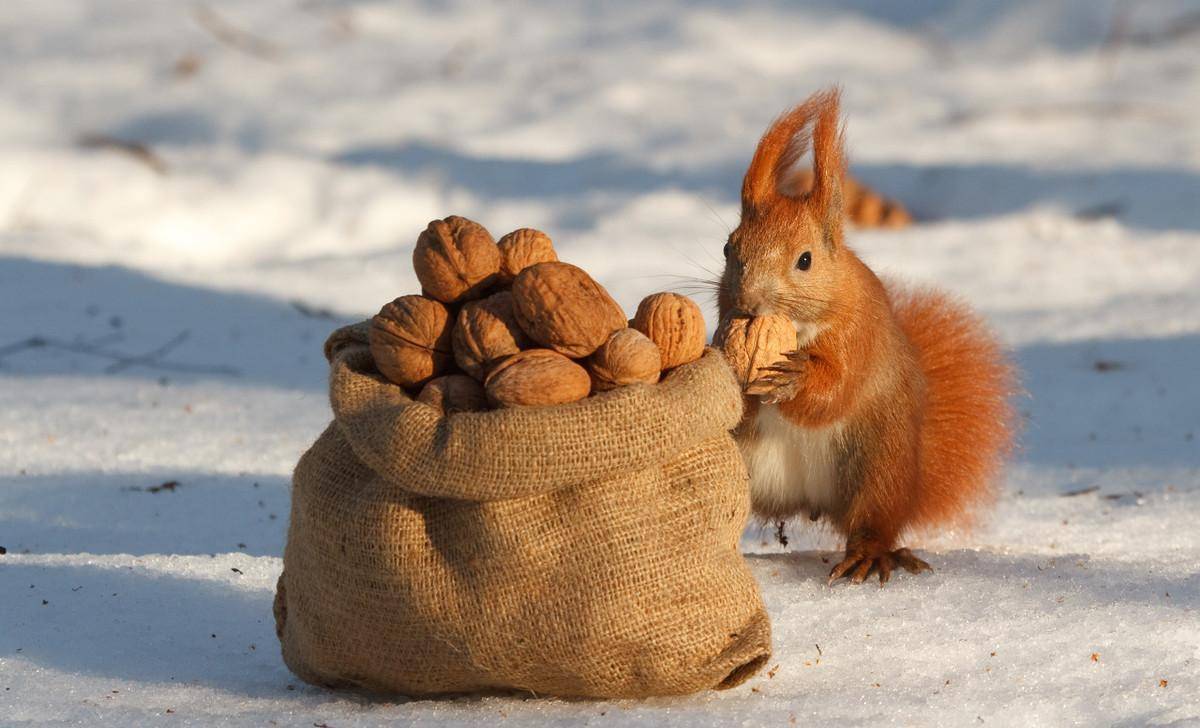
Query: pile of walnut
x,y
505,324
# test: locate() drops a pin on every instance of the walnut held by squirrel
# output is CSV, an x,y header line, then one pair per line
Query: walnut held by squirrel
x,y
893,411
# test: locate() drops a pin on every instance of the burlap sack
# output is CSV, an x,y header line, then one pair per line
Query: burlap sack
x,y
588,549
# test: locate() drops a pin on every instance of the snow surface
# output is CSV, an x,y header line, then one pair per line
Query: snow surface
x,y
1054,165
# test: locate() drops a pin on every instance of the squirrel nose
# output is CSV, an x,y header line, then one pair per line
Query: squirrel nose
x,y
751,303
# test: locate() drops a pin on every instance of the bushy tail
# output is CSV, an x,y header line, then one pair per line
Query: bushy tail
x,y
969,421
864,207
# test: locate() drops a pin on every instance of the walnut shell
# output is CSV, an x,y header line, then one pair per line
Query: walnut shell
x,y
456,259
562,308
521,249
487,332
752,343
627,357
675,324
410,340
454,393
535,378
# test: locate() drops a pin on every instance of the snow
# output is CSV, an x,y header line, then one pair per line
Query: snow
x,y
1055,171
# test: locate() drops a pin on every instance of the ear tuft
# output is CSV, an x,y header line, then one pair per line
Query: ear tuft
x,y
773,171
784,142
829,163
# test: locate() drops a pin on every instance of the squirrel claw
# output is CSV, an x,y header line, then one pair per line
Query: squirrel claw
x,y
773,389
779,382
857,566
792,363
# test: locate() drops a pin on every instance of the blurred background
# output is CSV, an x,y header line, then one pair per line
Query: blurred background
x,y
196,193
296,147
227,180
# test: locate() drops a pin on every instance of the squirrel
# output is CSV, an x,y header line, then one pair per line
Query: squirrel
x,y
893,413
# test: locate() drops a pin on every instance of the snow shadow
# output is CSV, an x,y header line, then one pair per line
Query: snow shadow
x,y
1143,197
1120,402
1148,198
1091,582
144,513
1112,402
134,623
602,180
170,629
109,320
1070,25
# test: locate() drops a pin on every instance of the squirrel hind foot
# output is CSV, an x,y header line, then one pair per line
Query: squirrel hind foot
x,y
860,564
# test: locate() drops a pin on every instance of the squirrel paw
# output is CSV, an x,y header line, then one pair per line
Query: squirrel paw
x,y
781,382
858,565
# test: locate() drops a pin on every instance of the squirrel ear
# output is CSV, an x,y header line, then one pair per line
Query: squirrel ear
x,y
829,166
769,174
774,174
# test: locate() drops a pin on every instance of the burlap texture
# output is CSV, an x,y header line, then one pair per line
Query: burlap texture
x,y
588,549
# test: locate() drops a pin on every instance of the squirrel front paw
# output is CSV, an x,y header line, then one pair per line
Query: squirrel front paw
x,y
779,382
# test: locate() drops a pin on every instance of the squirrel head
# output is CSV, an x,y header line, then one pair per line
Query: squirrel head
x,y
786,256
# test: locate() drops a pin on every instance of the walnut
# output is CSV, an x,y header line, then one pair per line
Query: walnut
x,y
410,340
627,357
535,378
562,308
486,333
521,249
749,344
454,393
455,260
675,324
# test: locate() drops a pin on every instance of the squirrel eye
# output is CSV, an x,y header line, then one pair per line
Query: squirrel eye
x,y
726,250
805,261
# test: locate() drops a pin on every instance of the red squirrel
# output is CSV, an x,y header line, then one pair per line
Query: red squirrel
x,y
893,413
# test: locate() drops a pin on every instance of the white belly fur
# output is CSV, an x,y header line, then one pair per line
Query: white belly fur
x,y
792,469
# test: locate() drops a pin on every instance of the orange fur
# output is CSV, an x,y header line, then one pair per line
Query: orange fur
x,y
968,419
911,386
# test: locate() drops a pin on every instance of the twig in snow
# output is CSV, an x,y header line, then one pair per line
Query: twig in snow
x,y
311,311
168,486
1102,210
1107,365
233,36
1081,491
149,357
39,342
137,150
152,359
187,65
